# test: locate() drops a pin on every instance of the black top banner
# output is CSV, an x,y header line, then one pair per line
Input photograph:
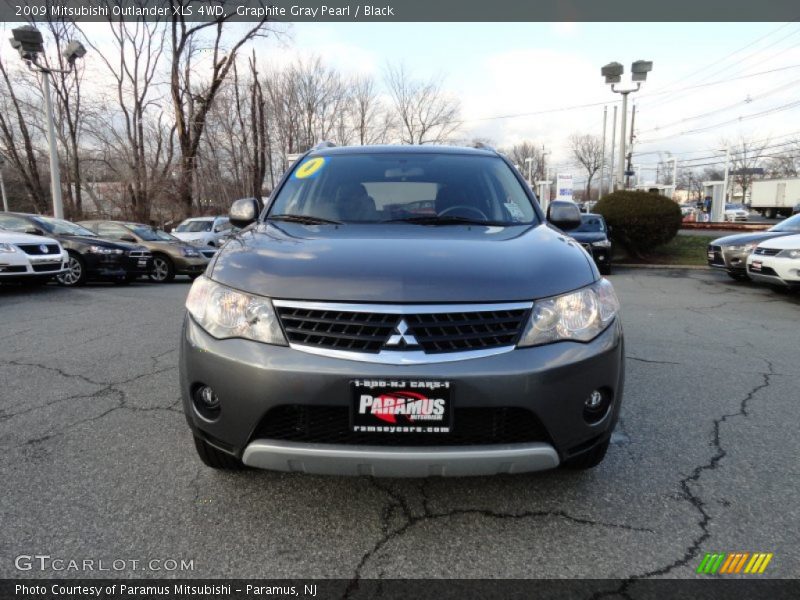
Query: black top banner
x,y
402,10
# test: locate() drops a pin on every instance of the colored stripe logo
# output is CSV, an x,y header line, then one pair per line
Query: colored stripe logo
x,y
735,562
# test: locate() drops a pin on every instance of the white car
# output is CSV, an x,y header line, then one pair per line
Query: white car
x,y
776,261
204,231
30,258
736,212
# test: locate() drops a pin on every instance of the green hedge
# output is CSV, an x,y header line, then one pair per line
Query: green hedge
x,y
640,221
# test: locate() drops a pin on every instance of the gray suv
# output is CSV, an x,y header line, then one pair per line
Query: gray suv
x,y
401,311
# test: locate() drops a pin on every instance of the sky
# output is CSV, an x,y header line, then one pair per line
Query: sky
x,y
539,76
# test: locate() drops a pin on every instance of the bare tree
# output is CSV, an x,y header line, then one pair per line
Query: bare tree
x,y
134,68
372,121
746,155
192,97
785,163
587,150
425,112
17,140
519,153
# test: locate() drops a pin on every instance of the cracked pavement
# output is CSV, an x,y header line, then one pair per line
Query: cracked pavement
x,y
97,461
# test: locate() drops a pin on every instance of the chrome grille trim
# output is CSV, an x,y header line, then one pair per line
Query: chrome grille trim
x,y
400,357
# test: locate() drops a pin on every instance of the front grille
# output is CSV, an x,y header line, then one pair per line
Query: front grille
x,y
766,251
369,331
331,425
36,249
43,268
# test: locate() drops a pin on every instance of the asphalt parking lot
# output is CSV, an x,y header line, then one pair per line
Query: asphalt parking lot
x,y
97,461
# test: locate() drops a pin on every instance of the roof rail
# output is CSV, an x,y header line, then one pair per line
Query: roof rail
x,y
484,146
324,144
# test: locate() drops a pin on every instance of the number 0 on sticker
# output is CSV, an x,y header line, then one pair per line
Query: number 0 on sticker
x,y
309,168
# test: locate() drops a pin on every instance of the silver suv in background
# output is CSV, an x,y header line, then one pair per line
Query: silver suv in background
x,y
402,311
204,231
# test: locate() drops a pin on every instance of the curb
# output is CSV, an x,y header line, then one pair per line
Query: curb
x,y
688,267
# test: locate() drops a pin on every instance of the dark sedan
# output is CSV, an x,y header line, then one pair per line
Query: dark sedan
x,y
592,234
730,252
91,258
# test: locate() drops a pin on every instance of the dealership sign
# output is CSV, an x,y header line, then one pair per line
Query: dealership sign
x,y
564,187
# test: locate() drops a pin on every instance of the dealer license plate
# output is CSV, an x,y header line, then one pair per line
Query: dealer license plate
x,y
401,406
755,265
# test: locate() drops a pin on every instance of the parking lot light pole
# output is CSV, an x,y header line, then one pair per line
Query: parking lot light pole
x,y
529,160
613,75
28,42
2,184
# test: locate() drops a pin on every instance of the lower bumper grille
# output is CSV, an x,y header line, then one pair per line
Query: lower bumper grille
x,y
331,425
46,267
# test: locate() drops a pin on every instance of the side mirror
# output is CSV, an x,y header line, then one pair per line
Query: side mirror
x,y
564,215
243,212
34,231
127,238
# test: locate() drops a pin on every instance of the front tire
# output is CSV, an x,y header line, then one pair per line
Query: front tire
x,y
76,273
163,269
216,459
589,459
605,269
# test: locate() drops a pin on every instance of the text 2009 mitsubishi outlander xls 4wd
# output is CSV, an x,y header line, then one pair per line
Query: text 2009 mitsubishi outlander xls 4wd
x,y
401,311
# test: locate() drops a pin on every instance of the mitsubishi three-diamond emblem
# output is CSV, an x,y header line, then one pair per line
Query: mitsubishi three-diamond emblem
x,y
400,338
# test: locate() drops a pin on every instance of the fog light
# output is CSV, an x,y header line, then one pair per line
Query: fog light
x,y
596,406
593,402
206,402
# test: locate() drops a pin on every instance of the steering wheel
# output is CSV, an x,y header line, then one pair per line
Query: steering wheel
x,y
464,207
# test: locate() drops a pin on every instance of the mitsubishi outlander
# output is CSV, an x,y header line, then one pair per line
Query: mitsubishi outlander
x,y
402,311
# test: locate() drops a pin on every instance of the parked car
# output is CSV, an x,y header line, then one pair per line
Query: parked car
x,y
345,332
204,231
171,256
736,212
776,262
30,258
730,252
592,234
796,209
91,258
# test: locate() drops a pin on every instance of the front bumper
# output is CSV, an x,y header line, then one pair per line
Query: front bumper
x,y
551,381
733,261
20,266
776,270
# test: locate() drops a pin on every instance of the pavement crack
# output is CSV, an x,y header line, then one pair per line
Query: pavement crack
x,y
652,362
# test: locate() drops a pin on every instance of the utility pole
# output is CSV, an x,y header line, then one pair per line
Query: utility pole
x,y
725,180
630,146
603,154
611,181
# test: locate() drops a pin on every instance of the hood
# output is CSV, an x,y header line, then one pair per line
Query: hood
x,y
12,237
747,238
402,263
786,242
587,236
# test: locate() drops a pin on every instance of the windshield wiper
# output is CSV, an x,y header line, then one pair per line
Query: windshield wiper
x,y
445,220
304,219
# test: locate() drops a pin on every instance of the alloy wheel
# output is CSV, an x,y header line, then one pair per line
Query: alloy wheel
x,y
73,275
160,270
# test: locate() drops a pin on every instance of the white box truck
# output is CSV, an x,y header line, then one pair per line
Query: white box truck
x,y
775,197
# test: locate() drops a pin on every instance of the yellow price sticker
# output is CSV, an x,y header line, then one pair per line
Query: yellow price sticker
x,y
309,168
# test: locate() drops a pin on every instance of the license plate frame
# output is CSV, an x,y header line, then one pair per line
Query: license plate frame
x,y
404,406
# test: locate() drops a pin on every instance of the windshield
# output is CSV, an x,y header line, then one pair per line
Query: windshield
x,y
791,224
151,234
378,188
194,226
591,224
62,227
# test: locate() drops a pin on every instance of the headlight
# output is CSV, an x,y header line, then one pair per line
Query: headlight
x,y
579,316
4,247
227,313
602,244
790,253
104,250
189,252
741,248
